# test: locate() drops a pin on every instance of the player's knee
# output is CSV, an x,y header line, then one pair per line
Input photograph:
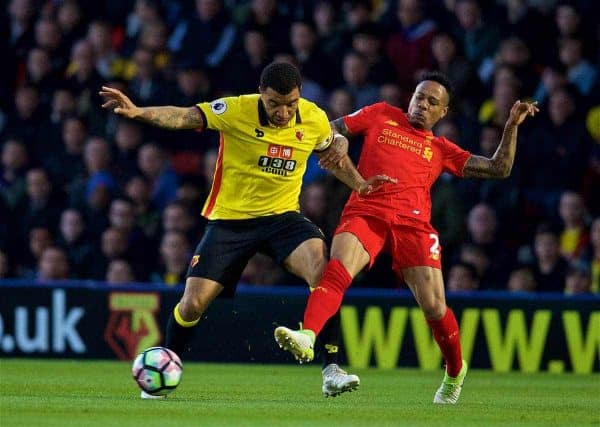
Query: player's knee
x,y
433,308
190,308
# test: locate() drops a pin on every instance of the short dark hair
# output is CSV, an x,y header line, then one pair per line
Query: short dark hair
x,y
282,77
442,79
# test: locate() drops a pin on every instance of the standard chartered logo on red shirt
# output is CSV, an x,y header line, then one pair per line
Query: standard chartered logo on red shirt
x,y
404,142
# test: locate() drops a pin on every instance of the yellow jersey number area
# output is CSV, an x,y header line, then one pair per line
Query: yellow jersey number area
x,y
278,160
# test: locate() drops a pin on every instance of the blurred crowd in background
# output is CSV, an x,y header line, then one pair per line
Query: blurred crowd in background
x,y
87,195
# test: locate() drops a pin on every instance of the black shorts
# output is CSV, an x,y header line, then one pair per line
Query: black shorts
x,y
228,245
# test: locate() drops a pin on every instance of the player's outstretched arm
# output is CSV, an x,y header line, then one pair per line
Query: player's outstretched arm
x,y
167,117
501,163
349,175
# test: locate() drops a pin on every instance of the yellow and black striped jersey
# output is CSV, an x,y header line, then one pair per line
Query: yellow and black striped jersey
x,y
260,167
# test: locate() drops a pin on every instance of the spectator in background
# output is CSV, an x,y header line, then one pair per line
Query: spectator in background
x,y
73,239
21,36
82,78
313,63
592,255
147,216
49,38
553,78
329,31
574,236
479,40
313,200
13,164
513,53
549,268
113,245
41,206
147,86
562,141
153,38
121,216
241,70
367,40
49,137
5,270
495,110
156,168
39,73
447,59
355,70
23,120
107,60
128,139
409,47
521,280
173,260
143,12
391,93
39,239
66,166
462,277
580,71
578,280
208,35
53,265
70,20
99,191
177,217
502,195
119,272
482,230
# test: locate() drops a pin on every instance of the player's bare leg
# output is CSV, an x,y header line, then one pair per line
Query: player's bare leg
x,y
427,285
199,293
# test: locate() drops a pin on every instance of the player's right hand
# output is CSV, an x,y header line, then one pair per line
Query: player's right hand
x,y
119,102
374,183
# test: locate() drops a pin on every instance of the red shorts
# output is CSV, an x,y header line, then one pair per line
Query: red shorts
x,y
410,243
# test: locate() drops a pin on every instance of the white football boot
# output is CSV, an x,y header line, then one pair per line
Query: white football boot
x,y
337,381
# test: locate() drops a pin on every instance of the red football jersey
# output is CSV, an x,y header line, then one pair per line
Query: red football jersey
x,y
415,157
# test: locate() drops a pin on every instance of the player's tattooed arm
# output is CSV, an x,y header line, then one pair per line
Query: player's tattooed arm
x,y
172,117
167,117
338,126
501,163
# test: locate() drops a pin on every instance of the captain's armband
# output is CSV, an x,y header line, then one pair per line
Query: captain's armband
x,y
327,143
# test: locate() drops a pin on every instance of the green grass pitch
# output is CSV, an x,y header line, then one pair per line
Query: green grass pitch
x,y
100,393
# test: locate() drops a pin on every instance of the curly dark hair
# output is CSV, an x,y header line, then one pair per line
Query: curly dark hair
x,y
282,77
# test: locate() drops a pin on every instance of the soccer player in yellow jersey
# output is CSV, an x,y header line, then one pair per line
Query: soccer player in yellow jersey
x,y
253,206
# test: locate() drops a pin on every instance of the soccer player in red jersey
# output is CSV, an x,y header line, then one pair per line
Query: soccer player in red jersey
x,y
396,218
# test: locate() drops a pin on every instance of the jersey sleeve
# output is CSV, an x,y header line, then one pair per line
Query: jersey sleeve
x,y
362,119
454,157
220,113
325,135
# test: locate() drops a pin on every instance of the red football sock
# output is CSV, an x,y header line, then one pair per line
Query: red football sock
x,y
445,332
327,297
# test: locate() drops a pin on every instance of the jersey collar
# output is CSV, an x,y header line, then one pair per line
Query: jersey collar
x,y
264,119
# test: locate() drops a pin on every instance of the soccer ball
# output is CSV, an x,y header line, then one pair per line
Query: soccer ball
x,y
157,371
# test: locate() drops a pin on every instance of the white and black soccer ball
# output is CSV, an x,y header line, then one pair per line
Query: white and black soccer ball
x,y
157,371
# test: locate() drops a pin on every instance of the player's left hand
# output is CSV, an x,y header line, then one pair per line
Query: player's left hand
x,y
374,183
520,110
335,153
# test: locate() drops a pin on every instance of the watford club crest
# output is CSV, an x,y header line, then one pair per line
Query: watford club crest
x,y
194,260
299,135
